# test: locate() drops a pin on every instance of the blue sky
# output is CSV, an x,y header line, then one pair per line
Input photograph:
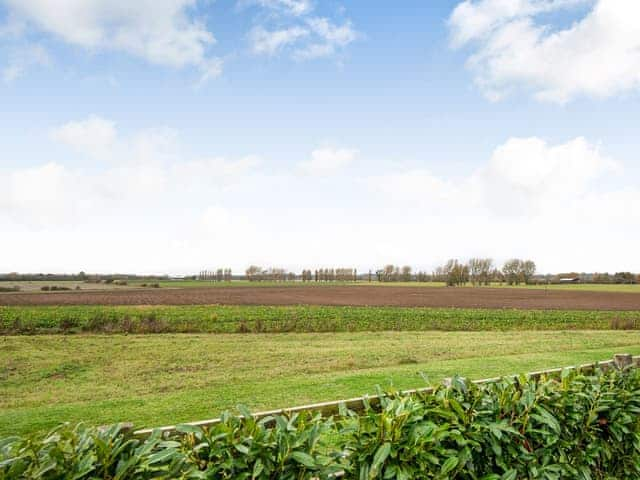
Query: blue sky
x,y
175,135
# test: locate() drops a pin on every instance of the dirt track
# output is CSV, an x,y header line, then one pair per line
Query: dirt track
x,y
360,295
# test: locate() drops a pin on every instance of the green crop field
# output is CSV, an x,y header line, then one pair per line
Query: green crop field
x,y
298,318
163,379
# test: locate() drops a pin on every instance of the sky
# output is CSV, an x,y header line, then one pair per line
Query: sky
x,y
170,136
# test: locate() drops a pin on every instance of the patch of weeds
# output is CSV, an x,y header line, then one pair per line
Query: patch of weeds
x,y
6,371
152,324
408,361
68,325
62,371
618,323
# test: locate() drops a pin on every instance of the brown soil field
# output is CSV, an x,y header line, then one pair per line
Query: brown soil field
x,y
355,296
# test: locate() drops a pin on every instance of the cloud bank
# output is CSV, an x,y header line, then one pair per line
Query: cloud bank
x,y
143,205
514,46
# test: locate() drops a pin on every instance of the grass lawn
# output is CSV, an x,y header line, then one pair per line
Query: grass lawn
x,y
155,380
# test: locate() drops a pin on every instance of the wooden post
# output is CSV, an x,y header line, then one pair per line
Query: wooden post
x,y
622,360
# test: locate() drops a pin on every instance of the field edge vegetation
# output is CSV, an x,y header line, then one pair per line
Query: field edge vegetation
x,y
297,318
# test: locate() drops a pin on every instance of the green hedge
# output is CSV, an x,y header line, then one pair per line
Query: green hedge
x,y
297,318
575,426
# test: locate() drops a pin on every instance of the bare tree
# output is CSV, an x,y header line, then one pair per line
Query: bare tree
x,y
497,276
511,271
439,274
475,270
480,270
254,272
528,270
518,271
406,273
423,277
387,273
456,273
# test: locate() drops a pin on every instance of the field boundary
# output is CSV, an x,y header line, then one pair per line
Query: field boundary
x,y
619,361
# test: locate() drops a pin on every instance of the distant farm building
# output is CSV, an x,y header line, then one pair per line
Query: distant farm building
x,y
570,280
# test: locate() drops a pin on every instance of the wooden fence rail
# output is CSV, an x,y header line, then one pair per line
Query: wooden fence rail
x,y
356,404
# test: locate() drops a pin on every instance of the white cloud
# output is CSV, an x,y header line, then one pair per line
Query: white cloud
x,y
292,7
415,184
307,37
11,27
93,136
475,19
162,32
597,55
37,193
339,35
151,207
524,177
202,174
529,198
536,177
22,59
331,37
210,70
313,51
270,42
328,161
151,146
139,174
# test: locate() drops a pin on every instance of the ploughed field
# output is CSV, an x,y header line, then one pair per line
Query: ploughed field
x,y
404,296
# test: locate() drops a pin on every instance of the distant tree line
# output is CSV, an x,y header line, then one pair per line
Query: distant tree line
x,y
76,277
517,271
218,275
330,275
477,271
256,273
482,271
394,273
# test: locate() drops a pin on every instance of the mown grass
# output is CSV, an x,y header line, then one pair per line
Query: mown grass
x,y
154,380
298,318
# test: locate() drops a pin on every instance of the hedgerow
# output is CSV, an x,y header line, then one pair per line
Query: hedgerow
x,y
574,426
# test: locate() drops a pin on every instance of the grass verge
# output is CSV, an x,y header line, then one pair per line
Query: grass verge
x,y
155,380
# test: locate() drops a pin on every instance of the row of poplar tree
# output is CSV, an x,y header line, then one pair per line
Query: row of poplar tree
x,y
478,271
